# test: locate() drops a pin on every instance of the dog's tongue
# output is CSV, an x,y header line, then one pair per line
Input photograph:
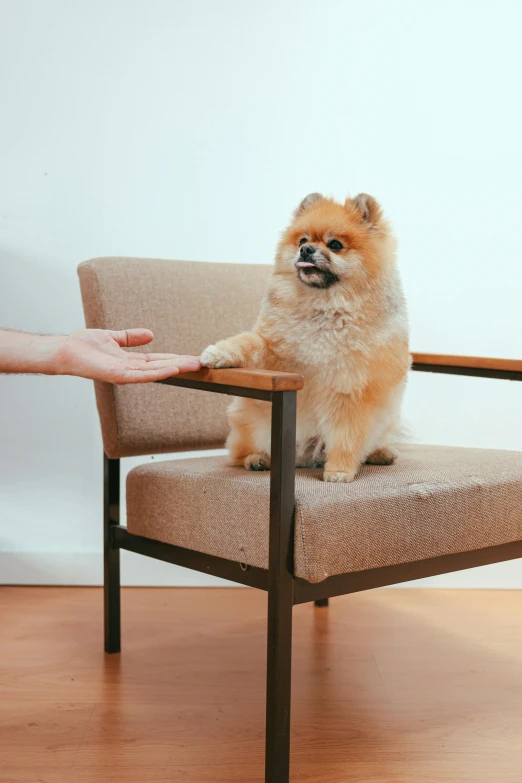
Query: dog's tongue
x,y
304,264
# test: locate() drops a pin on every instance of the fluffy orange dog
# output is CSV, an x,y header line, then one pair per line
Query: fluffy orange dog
x,y
335,313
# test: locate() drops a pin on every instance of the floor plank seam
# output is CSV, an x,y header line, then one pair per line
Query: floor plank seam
x,y
83,735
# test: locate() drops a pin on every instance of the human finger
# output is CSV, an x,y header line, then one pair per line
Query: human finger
x,y
128,338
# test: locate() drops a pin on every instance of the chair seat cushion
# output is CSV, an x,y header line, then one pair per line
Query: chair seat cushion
x,y
434,500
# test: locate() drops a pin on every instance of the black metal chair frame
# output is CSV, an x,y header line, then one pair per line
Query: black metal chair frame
x,y
283,589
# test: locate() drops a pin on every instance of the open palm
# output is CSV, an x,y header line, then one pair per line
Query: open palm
x,y
99,354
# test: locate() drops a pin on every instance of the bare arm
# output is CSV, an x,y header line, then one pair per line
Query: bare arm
x,y
90,353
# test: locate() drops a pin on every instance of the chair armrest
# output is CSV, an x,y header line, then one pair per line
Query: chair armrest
x,y
227,380
468,365
250,379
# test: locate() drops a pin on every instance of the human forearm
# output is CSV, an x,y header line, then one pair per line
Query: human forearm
x,y
91,353
21,352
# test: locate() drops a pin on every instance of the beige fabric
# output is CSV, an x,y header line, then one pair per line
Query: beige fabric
x,y
187,305
435,500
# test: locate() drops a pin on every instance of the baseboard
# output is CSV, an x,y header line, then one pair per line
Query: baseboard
x,y
86,568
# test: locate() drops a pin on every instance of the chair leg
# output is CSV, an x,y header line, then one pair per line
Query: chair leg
x,y
278,694
280,588
111,555
321,602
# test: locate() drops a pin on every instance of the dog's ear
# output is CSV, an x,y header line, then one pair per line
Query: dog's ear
x,y
307,202
366,207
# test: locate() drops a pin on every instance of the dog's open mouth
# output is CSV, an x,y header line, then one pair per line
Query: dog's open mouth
x,y
315,276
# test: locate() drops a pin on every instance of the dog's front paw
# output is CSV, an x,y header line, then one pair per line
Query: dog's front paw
x,y
260,461
217,356
339,477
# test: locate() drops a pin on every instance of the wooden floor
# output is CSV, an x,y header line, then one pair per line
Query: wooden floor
x,y
390,686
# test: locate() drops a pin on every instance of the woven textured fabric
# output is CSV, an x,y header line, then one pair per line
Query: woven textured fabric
x,y
433,501
187,305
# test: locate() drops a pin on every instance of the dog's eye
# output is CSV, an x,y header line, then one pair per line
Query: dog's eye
x,y
335,245
302,240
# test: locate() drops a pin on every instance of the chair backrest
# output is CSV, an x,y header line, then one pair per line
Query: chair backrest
x,y
188,305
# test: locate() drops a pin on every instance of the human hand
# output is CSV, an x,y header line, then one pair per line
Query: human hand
x,y
99,354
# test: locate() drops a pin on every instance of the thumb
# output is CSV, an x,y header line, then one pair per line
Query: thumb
x,y
128,338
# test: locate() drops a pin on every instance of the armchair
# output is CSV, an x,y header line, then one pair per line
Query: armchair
x,y
436,510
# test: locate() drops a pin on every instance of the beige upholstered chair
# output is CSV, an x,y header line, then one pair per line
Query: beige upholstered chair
x,y
436,510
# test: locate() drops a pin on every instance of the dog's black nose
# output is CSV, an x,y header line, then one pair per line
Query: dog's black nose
x,y
307,250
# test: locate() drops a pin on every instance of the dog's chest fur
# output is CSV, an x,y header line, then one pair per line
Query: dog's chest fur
x,y
326,344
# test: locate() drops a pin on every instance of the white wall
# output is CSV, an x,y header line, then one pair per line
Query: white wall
x,y
191,130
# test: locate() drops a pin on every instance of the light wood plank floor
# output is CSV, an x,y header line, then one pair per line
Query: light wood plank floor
x,y
390,686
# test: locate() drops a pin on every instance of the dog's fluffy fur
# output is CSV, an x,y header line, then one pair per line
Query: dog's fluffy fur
x,y
335,313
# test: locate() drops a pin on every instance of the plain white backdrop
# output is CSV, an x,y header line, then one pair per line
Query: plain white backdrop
x,y
191,130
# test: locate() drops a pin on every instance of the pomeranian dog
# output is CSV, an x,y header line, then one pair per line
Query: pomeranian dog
x,y
335,313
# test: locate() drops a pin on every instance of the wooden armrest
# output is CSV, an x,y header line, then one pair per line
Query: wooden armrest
x,y
264,380
473,362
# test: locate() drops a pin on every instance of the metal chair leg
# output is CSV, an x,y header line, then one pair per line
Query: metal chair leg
x,y
321,602
111,555
279,668
280,588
